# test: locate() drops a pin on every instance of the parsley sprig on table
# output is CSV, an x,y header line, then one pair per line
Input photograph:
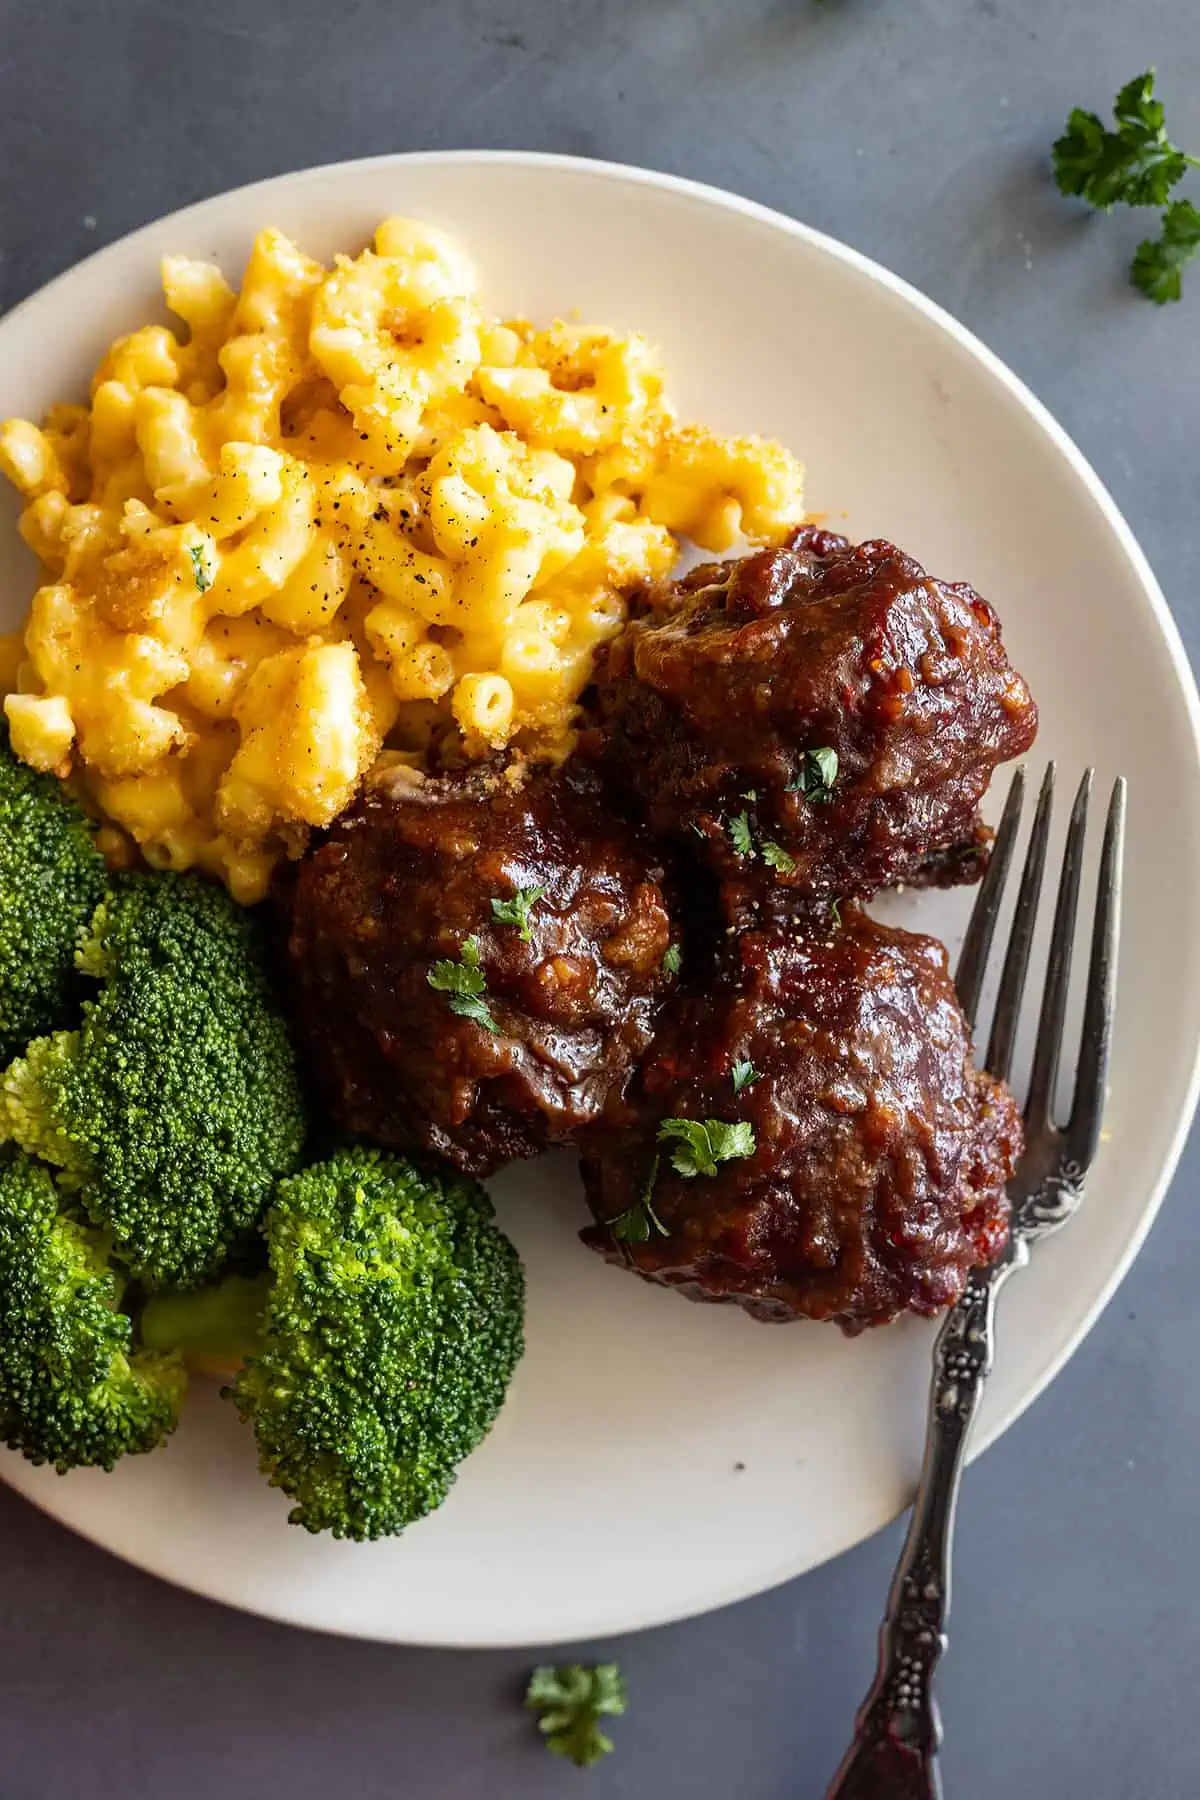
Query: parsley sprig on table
x,y
465,982
1158,263
517,910
1134,165
571,1700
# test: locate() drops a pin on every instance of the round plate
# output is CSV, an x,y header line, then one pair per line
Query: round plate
x,y
655,1458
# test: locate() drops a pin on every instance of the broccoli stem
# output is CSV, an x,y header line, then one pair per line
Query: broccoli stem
x,y
214,1327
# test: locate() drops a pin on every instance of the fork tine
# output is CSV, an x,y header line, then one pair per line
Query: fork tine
x,y
1083,1132
976,945
1039,1106
1020,939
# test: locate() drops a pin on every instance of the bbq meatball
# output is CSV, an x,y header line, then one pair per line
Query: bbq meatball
x,y
475,961
812,1141
823,718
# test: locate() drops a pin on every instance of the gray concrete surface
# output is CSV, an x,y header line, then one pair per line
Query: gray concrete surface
x,y
917,131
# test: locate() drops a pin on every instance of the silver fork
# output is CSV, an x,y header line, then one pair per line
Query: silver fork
x,y
894,1755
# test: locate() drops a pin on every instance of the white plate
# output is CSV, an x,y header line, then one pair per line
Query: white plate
x,y
655,1458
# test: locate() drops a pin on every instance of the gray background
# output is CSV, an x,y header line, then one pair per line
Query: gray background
x,y
916,130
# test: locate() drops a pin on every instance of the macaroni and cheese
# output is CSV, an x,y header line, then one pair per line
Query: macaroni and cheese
x,y
345,508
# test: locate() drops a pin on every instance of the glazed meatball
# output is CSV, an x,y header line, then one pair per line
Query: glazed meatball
x,y
475,961
822,719
865,1172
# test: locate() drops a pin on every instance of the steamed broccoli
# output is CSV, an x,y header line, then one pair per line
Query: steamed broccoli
x,y
174,1107
393,1322
73,1389
51,880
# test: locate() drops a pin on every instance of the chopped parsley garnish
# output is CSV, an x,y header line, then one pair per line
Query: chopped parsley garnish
x,y
816,775
702,1144
1135,165
465,982
672,960
741,835
633,1226
200,570
744,1075
517,910
571,1700
835,913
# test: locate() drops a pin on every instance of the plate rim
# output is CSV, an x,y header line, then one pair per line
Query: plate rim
x,y
725,199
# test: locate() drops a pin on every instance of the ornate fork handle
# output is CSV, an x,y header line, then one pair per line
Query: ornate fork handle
x,y
897,1729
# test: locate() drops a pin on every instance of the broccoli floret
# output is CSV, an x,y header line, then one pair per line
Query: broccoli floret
x,y
176,1104
213,1328
393,1323
25,1118
74,1391
51,880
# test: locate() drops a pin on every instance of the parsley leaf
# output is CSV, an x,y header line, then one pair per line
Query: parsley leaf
x,y
517,910
466,983
1158,263
469,1006
774,855
704,1143
571,1700
816,775
741,835
744,1075
1077,152
633,1225
672,960
1135,165
200,569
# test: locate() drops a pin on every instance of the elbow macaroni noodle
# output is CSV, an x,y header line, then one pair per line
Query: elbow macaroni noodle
x,y
345,509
